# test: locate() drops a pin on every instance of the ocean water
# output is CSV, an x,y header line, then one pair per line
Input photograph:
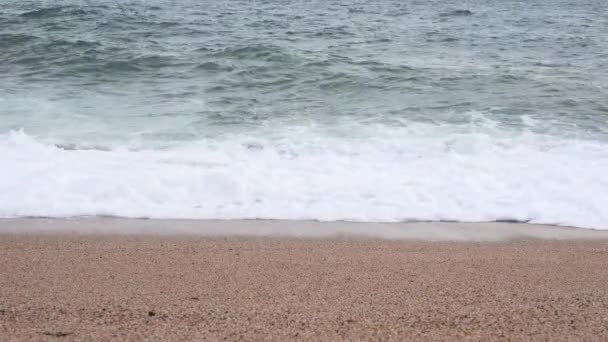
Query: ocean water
x,y
379,111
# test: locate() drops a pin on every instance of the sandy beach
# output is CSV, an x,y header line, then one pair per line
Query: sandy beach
x,y
303,171
65,286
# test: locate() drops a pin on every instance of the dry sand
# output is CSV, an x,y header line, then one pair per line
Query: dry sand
x,y
63,287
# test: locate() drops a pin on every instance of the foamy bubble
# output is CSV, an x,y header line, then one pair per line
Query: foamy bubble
x,y
371,173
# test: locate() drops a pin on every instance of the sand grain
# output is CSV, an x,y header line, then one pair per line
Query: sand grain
x,y
62,287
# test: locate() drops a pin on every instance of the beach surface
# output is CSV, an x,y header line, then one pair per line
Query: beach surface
x,y
144,282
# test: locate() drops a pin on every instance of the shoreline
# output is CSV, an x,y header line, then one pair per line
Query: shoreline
x,y
415,231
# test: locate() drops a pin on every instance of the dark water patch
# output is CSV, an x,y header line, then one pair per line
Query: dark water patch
x,y
419,118
205,50
334,32
356,10
238,118
28,60
391,68
76,147
9,40
269,24
341,81
509,78
120,66
211,66
283,82
549,65
397,13
226,14
230,100
167,24
171,96
534,39
93,64
257,71
43,12
441,37
78,60
258,53
317,64
462,106
457,13
57,52
262,78
366,63
216,89
153,61
188,31
402,80
54,26
380,67
378,40
602,108
253,146
51,12
76,12
62,43
569,103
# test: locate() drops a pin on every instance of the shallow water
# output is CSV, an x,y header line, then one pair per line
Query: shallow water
x,y
327,110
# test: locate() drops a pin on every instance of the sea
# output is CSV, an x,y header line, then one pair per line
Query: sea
x,y
326,110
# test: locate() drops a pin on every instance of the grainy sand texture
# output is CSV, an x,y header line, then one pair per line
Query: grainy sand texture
x,y
101,287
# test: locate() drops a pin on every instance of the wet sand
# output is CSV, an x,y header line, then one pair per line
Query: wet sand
x,y
62,286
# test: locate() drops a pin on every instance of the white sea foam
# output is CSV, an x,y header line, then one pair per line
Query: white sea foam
x,y
371,173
